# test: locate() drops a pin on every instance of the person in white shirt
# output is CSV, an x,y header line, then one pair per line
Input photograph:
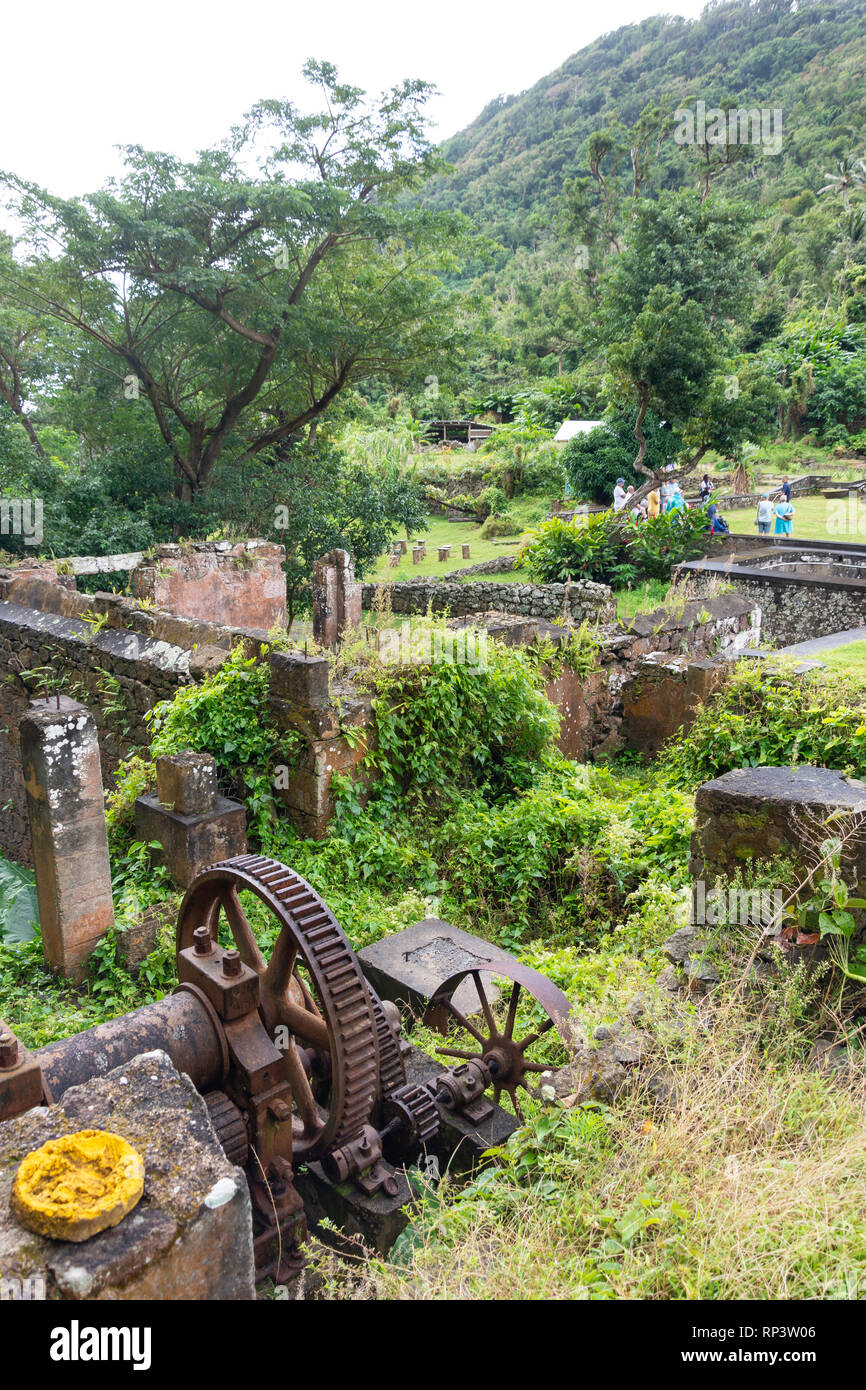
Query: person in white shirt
x,y
765,514
619,495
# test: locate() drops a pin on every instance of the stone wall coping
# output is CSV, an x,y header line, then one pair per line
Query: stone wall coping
x,y
778,577
121,645
800,785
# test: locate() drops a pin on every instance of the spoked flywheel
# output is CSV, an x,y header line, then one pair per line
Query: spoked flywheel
x,y
495,1042
311,988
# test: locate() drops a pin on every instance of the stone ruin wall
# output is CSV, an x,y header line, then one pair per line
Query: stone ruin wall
x,y
581,602
118,675
117,658
126,659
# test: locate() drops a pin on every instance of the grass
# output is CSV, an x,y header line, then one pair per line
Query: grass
x,y
850,659
527,511
640,598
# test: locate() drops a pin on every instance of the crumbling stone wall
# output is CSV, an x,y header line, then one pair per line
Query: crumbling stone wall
x,y
119,675
794,607
582,602
237,584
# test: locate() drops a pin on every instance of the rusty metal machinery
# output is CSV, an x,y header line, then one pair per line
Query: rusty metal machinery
x,y
296,1057
496,1059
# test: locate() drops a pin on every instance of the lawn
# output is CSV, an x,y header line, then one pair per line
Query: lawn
x,y
526,511
850,659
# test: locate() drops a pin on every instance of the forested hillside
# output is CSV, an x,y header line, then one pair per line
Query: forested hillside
x,y
551,176
807,58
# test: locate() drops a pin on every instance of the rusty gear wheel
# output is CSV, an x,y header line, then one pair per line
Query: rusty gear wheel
x,y
494,1043
392,1073
411,1119
312,987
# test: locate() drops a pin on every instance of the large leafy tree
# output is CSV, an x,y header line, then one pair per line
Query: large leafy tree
x,y
673,305
239,294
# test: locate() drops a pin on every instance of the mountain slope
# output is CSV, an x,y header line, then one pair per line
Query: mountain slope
x,y
809,59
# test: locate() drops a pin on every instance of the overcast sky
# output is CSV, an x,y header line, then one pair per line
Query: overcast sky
x,y
81,76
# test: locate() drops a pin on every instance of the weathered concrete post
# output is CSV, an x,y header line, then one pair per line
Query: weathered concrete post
x,y
336,597
63,781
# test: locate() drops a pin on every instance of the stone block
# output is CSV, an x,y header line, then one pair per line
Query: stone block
x,y
753,814
206,659
138,939
65,807
376,1220
300,680
190,1236
336,597
409,966
191,843
465,549
187,782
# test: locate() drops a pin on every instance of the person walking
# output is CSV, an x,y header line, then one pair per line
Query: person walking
x,y
784,513
654,503
765,514
619,495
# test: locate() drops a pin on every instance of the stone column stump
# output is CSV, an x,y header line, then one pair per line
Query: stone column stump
x,y
336,597
194,825
65,806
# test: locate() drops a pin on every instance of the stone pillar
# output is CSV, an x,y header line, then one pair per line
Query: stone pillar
x,y
417,555
195,826
444,552
465,549
336,597
63,781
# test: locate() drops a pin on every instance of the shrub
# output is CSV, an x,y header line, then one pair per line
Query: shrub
x,y
612,548
499,526
761,717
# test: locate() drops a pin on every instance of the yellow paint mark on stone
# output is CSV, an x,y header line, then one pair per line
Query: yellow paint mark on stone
x,y
74,1187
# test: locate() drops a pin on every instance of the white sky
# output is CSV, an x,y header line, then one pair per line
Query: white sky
x,y
81,76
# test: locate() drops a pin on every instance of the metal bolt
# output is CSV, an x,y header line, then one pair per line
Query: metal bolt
x,y
232,963
201,941
8,1051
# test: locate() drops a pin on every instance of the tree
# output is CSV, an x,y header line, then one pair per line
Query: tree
x,y
670,306
310,498
240,304
593,461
